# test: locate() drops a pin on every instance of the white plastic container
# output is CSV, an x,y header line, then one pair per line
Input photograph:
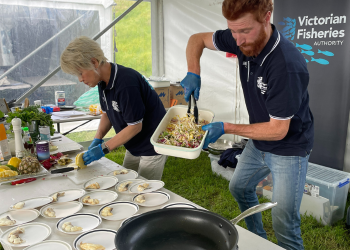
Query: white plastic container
x,y
159,84
187,153
226,173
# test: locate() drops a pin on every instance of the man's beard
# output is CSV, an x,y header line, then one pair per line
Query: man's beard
x,y
256,47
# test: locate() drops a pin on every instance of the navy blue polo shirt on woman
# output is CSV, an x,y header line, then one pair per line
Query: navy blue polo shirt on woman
x,y
275,86
128,99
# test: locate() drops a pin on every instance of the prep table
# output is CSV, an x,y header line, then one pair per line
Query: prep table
x,y
47,185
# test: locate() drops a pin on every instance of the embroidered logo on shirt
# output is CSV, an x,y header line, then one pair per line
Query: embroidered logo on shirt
x,y
262,86
115,106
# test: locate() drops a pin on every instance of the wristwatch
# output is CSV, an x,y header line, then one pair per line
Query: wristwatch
x,y
105,148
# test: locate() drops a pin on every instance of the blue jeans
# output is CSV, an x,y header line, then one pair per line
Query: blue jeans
x,y
289,174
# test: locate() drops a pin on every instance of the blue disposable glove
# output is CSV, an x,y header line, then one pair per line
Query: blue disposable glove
x,y
191,83
215,130
93,154
95,142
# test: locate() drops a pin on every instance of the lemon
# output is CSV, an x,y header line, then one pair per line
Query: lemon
x,y
14,161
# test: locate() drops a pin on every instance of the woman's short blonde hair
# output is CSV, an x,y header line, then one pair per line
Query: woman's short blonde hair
x,y
79,53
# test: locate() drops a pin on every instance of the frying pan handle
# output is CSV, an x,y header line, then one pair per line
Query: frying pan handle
x,y
253,210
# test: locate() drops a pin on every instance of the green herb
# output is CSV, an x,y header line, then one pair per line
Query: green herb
x,y
1,114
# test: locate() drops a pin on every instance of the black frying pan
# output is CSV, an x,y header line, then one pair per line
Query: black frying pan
x,y
182,229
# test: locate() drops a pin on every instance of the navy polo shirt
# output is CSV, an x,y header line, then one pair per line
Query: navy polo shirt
x,y
128,99
275,86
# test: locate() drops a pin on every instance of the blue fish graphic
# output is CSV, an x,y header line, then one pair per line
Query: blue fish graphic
x,y
292,38
289,24
326,53
320,61
309,53
287,36
281,23
294,22
304,46
162,94
288,19
286,28
306,60
292,30
180,93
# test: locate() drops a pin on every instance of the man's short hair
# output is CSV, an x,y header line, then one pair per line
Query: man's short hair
x,y
79,53
234,9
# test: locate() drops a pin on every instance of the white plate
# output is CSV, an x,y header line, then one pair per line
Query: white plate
x,y
104,182
33,202
21,216
50,244
70,195
180,204
103,196
123,222
62,209
85,220
121,177
133,182
34,233
103,237
153,199
121,210
153,184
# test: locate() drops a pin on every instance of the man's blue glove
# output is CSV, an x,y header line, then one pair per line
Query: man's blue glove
x,y
215,130
93,154
95,142
191,83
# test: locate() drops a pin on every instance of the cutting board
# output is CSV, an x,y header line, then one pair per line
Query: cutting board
x,y
97,168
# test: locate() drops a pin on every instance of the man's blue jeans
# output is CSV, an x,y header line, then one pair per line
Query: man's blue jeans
x,y
289,174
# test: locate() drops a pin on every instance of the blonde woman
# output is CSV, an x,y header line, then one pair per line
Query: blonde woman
x,y
128,102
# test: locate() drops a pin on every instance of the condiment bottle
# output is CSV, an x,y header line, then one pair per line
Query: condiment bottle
x,y
16,124
27,140
5,153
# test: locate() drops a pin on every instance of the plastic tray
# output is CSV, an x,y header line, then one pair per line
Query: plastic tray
x,y
187,153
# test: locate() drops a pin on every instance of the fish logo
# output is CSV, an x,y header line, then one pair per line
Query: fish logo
x,y
262,86
306,60
320,61
282,23
162,94
304,46
115,106
309,53
180,93
326,53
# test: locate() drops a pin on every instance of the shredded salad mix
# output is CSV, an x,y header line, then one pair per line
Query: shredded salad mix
x,y
183,132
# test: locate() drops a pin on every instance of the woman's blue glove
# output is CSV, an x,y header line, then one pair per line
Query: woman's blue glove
x,y
93,154
215,130
95,142
191,83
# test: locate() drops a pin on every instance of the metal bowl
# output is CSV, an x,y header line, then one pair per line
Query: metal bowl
x,y
219,146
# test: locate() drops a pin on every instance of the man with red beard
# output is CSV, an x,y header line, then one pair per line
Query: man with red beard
x,y
274,79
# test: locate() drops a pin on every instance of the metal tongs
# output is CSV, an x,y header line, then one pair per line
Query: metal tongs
x,y
195,109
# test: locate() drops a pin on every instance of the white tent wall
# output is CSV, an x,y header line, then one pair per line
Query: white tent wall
x,y
221,90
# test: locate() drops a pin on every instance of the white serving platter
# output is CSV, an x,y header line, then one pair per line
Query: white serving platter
x,y
134,181
187,153
87,221
153,199
105,182
33,202
154,185
51,245
21,216
103,237
121,177
34,233
62,209
103,196
121,210
69,195
179,204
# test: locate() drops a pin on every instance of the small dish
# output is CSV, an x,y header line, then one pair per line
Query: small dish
x,y
153,199
50,244
102,236
62,209
104,182
120,210
21,216
121,177
103,196
133,181
154,185
87,221
69,195
33,202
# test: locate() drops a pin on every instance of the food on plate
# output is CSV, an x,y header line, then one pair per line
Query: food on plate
x,y
7,173
142,187
93,186
140,199
64,160
6,221
55,196
3,168
50,212
19,205
90,246
14,161
107,211
88,200
14,238
79,161
68,227
124,186
29,165
123,171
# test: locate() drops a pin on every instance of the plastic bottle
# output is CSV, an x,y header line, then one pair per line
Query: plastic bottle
x,y
5,153
16,124
27,140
